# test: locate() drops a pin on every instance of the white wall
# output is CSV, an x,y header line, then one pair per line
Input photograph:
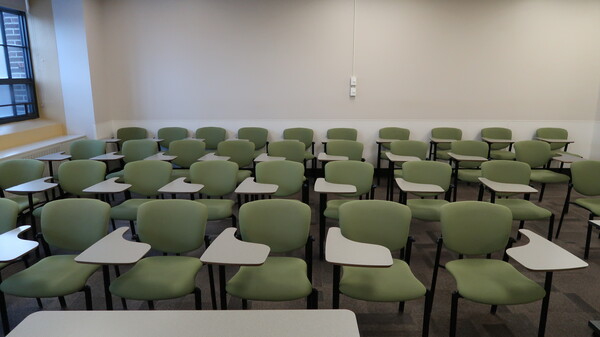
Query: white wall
x,y
420,63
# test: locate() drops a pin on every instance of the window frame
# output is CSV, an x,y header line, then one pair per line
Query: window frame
x,y
29,81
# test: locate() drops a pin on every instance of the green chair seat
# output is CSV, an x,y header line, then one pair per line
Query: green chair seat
x,y
493,282
38,212
53,276
397,173
502,155
547,176
426,209
158,278
180,173
308,156
393,284
218,208
117,174
443,154
22,202
333,206
278,279
259,152
127,210
524,209
242,175
468,175
591,204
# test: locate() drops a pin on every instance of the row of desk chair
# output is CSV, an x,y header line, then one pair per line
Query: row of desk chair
x,y
363,265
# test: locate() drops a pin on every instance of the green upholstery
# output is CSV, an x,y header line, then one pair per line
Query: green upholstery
x,y
393,133
77,175
219,178
290,149
187,151
445,133
498,150
9,210
524,209
349,148
304,135
413,148
284,226
427,172
62,228
359,174
342,133
256,135
469,171
493,282
86,148
170,226
146,178
138,149
18,171
212,136
130,133
288,175
240,152
553,133
170,134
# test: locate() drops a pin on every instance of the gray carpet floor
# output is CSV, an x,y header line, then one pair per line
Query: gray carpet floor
x,y
574,298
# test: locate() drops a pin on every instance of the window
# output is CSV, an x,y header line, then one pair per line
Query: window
x,y
17,89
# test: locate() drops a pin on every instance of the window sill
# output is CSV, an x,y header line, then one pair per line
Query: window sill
x,y
27,132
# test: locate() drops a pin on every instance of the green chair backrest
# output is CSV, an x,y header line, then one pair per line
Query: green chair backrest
x,y
394,133
240,152
427,172
87,148
553,133
414,148
138,149
357,173
17,171
170,134
379,222
506,171
446,133
130,133
475,227
497,133
470,148
212,136
172,226
256,135
281,224
290,149
219,177
77,175
349,148
74,224
342,133
304,135
147,176
187,151
9,210
533,152
585,177
288,175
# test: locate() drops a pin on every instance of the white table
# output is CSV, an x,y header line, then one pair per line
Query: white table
x,y
433,143
543,255
180,186
324,157
497,187
115,141
323,187
457,158
265,157
189,323
250,187
161,156
392,160
341,251
58,156
29,188
226,249
410,187
567,159
108,157
113,249
491,141
211,156
108,187
13,247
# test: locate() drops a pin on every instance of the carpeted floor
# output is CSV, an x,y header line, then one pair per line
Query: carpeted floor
x,y
574,299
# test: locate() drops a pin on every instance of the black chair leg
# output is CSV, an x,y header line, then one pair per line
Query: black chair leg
x,y
213,294
521,224
550,227
4,314
151,305
198,298
401,307
565,210
39,302
493,309
244,304
63,303
427,313
453,313
124,303
588,238
542,192
88,297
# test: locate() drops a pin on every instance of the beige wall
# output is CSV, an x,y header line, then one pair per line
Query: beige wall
x,y
415,59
